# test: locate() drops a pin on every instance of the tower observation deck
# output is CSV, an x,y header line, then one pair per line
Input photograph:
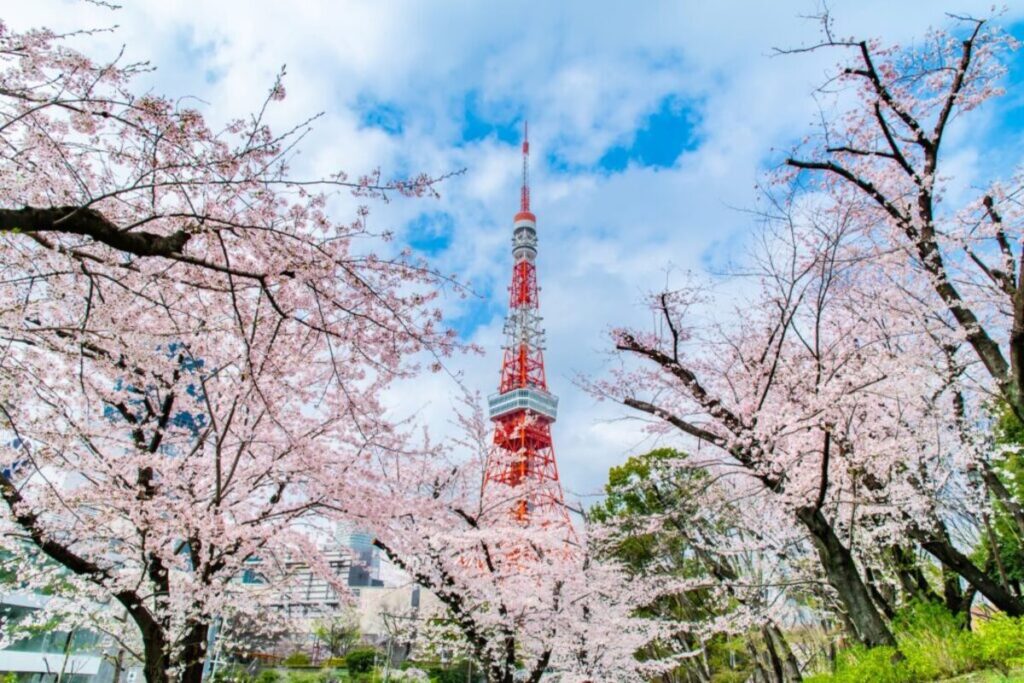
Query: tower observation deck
x,y
523,409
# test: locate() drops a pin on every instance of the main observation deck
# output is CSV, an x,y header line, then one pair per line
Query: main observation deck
x,y
535,400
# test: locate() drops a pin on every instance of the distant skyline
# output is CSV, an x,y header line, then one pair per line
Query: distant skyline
x,y
649,127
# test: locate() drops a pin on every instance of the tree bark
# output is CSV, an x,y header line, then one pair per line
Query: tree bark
x,y
194,653
154,654
880,600
842,573
952,593
998,489
76,220
787,667
950,557
911,578
760,675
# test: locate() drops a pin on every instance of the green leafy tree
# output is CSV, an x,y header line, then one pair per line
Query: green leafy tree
x,y
339,633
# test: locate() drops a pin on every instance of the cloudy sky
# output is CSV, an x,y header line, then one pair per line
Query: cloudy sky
x,y
650,123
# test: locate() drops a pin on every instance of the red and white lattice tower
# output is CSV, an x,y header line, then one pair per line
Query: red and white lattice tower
x,y
523,409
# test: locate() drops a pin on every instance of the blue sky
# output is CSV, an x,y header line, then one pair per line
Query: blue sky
x,y
650,124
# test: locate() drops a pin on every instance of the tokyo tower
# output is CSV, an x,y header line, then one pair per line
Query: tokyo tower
x,y
523,409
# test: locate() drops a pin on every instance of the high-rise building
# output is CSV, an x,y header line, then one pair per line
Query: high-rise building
x,y
366,559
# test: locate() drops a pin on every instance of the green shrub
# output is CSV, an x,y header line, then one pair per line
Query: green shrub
x,y
360,660
297,659
727,676
877,664
269,676
329,675
232,673
303,677
457,672
935,646
1001,641
335,663
934,642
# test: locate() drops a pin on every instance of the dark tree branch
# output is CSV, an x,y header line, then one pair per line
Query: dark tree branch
x,y
90,223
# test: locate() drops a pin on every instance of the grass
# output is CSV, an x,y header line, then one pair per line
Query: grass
x,y
935,647
990,676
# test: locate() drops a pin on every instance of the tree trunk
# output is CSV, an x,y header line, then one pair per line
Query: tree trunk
x,y
910,576
118,665
880,601
952,593
154,656
996,487
841,570
790,667
759,675
950,557
773,658
193,653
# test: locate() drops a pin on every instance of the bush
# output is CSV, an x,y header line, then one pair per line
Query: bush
x,y
329,675
303,677
360,660
335,663
1001,642
411,675
456,673
232,674
728,676
269,676
934,642
859,664
297,659
935,646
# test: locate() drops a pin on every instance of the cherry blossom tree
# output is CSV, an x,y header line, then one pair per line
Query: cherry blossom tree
x,y
955,264
812,391
191,349
847,386
529,598
883,153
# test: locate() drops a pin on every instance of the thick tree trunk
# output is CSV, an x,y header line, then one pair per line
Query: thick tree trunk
x,y
773,658
790,668
842,573
193,654
154,655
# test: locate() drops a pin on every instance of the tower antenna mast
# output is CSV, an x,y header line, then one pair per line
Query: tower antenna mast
x,y
524,192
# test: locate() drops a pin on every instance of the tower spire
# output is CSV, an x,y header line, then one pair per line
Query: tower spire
x,y
524,192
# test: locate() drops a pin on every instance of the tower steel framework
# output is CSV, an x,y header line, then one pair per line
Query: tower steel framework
x,y
523,409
